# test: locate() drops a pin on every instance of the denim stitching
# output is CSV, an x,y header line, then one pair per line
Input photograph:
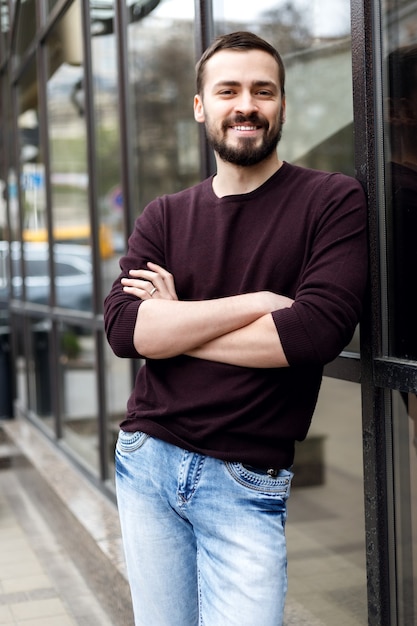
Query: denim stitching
x,y
270,486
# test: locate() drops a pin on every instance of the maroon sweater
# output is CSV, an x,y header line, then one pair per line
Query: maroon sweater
x,y
301,234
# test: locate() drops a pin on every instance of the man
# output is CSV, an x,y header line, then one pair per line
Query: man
x,y
235,292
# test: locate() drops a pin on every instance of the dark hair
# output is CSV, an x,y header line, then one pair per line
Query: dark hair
x,y
240,40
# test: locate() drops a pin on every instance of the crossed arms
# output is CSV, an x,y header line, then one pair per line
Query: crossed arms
x,y
237,330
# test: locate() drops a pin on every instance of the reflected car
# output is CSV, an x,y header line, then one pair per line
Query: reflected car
x,y
73,274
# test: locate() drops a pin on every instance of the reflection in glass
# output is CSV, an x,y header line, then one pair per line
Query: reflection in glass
x,y
4,27
315,45
405,503
68,158
162,87
118,389
401,113
4,284
26,26
13,208
39,378
325,530
400,107
107,134
110,205
73,276
30,263
78,391
21,361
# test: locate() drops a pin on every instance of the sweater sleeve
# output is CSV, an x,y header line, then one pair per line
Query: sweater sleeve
x,y
120,308
329,295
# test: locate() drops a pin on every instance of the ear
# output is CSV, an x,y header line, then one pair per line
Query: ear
x,y
199,109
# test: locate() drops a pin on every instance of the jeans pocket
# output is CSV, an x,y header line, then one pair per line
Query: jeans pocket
x,y
130,442
272,485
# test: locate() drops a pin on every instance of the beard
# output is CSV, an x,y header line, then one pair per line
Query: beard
x,y
246,153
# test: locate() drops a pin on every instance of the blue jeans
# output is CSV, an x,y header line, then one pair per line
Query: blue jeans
x,y
204,539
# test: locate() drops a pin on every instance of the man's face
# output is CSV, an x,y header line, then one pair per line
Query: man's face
x,y
241,105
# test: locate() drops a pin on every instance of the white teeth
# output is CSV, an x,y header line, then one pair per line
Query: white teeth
x,y
245,127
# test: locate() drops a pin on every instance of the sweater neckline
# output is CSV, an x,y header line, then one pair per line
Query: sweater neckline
x,y
250,194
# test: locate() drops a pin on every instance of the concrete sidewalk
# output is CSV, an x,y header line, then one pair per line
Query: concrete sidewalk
x,y
53,571
39,585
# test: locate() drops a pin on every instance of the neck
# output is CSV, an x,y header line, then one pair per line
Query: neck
x,y
235,179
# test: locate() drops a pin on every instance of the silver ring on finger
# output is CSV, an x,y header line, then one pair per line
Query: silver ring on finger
x,y
152,291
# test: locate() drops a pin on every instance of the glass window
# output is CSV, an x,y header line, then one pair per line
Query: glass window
x,y
107,134
400,113
110,200
401,120
26,27
78,393
314,42
4,28
68,157
325,530
32,192
404,441
5,200
13,207
162,87
72,263
34,372
118,389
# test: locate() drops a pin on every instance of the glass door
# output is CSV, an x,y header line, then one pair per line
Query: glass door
x,y
399,297
325,529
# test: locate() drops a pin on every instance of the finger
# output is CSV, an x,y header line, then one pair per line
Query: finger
x,y
142,274
149,280
141,294
152,273
160,278
139,288
157,268
134,282
170,285
155,281
168,278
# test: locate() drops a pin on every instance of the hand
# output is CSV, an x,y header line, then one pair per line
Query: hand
x,y
275,301
153,283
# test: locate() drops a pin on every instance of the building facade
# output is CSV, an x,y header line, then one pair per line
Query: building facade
x,y
96,120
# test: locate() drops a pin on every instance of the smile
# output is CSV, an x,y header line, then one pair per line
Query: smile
x,y
245,128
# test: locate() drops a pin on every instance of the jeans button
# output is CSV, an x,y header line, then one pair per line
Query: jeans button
x,y
272,472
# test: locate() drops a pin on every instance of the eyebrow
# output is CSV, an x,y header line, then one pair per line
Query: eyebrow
x,y
255,83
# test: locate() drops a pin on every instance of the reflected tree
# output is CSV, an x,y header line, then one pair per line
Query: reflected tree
x,y
166,134
287,28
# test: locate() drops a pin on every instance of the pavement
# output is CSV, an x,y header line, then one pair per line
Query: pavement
x,y
39,585
61,560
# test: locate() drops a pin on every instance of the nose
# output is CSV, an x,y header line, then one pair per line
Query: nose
x,y
246,103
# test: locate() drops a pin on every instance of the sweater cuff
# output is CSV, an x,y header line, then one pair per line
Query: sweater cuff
x,y
122,336
296,343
